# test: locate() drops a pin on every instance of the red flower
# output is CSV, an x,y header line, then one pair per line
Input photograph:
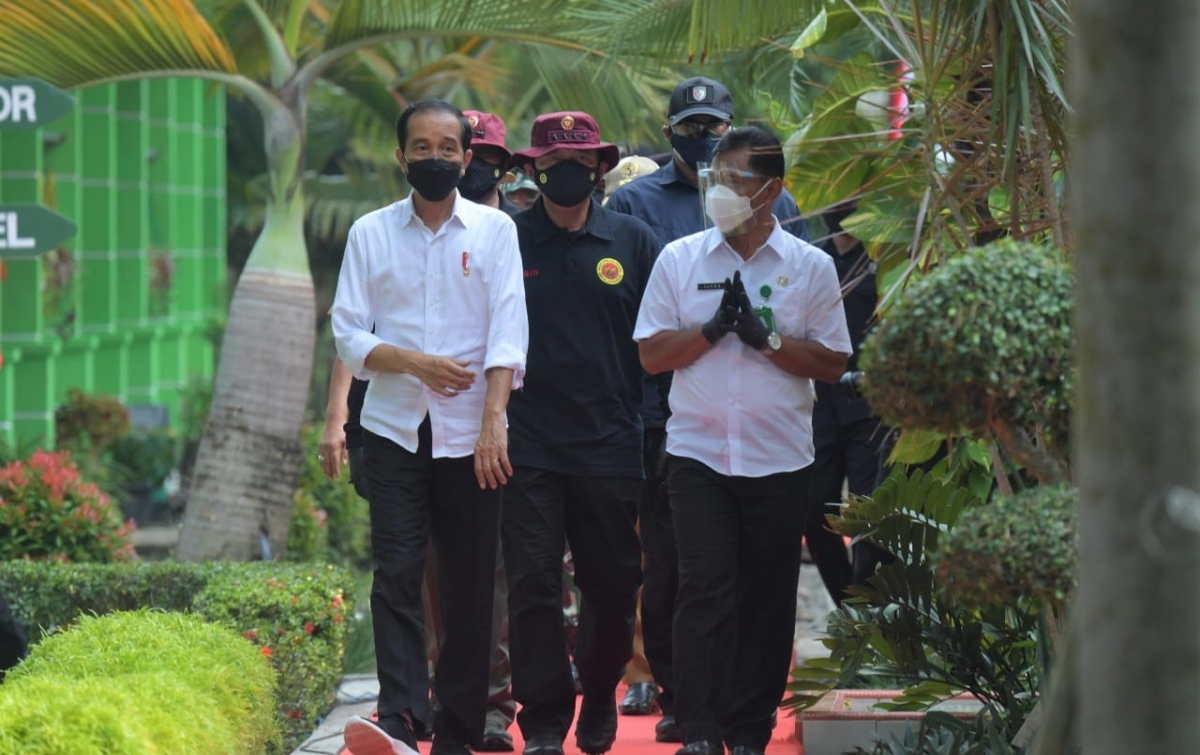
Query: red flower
x,y
250,635
309,627
265,651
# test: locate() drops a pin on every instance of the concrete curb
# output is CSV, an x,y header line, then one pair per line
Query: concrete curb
x,y
356,696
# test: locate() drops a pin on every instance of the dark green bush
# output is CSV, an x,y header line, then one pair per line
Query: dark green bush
x,y
140,683
986,335
1022,546
298,619
294,614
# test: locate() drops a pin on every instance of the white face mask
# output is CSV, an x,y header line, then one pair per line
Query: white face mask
x,y
729,210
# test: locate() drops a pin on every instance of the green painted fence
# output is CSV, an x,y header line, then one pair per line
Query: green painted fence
x,y
129,306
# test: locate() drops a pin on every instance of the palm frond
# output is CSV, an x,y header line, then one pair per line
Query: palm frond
x,y
697,29
108,40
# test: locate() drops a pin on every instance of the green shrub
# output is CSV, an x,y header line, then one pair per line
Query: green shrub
x,y
47,511
1022,546
140,682
294,614
44,598
986,335
298,620
347,517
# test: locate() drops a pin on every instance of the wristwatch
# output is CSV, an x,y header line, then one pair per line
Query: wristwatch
x,y
774,343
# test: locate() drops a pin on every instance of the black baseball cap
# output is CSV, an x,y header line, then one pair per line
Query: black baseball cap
x,y
699,96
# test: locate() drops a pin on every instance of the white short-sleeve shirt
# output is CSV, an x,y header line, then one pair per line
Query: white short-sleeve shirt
x,y
733,409
456,293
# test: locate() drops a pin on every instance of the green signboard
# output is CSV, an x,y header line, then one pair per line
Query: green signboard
x,y
30,229
31,103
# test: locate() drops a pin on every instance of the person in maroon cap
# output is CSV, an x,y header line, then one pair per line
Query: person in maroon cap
x,y
481,180
575,439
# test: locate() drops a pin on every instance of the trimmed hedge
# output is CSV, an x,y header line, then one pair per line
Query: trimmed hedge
x,y
138,683
986,334
1021,546
293,613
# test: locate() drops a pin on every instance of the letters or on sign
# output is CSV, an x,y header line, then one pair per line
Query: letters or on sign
x,y
31,103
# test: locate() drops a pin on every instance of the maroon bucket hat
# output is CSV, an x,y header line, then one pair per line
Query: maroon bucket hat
x,y
567,130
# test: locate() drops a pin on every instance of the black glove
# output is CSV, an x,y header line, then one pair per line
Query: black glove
x,y
750,327
724,319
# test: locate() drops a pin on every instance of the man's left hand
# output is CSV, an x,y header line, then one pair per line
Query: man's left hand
x,y
750,328
492,468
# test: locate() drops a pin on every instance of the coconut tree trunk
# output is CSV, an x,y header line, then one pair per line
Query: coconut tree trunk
x,y
1138,419
249,457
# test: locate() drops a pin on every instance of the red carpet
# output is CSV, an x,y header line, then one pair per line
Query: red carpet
x,y
635,736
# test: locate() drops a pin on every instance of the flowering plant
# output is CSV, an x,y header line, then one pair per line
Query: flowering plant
x,y
47,511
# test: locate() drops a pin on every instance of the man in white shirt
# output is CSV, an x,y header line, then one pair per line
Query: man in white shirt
x,y
739,439
430,308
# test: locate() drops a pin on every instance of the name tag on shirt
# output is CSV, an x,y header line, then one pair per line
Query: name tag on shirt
x,y
709,286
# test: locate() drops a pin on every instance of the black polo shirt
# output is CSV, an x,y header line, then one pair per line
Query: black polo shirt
x,y
577,413
837,405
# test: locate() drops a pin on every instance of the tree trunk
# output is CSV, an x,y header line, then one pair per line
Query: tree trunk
x,y
249,456
1138,415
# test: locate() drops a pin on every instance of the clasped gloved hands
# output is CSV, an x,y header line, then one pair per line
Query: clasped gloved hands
x,y
736,314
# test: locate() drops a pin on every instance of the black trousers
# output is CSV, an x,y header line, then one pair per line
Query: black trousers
x,y
412,496
596,517
735,614
847,453
660,565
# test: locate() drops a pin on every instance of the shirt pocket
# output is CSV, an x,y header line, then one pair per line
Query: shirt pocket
x,y
790,308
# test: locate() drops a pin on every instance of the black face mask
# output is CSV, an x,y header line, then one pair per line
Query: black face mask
x,y
567,183
434,178
479,180
693,150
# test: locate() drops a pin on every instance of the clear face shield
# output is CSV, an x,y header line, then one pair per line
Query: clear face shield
x,y
727,197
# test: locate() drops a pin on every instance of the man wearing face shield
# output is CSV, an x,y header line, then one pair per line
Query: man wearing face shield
x,y
699,113
430,307
576,439
747,316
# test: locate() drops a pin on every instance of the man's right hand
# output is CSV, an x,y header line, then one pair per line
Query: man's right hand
x,y
443,375
724,320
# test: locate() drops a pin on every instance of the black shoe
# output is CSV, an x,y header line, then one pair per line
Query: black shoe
x,y
448,743
424,732
392,736
495,740
640,700
544,744
667,730
746,750
596,729
702,748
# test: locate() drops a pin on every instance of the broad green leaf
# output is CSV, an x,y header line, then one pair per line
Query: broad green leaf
x,y
810,35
